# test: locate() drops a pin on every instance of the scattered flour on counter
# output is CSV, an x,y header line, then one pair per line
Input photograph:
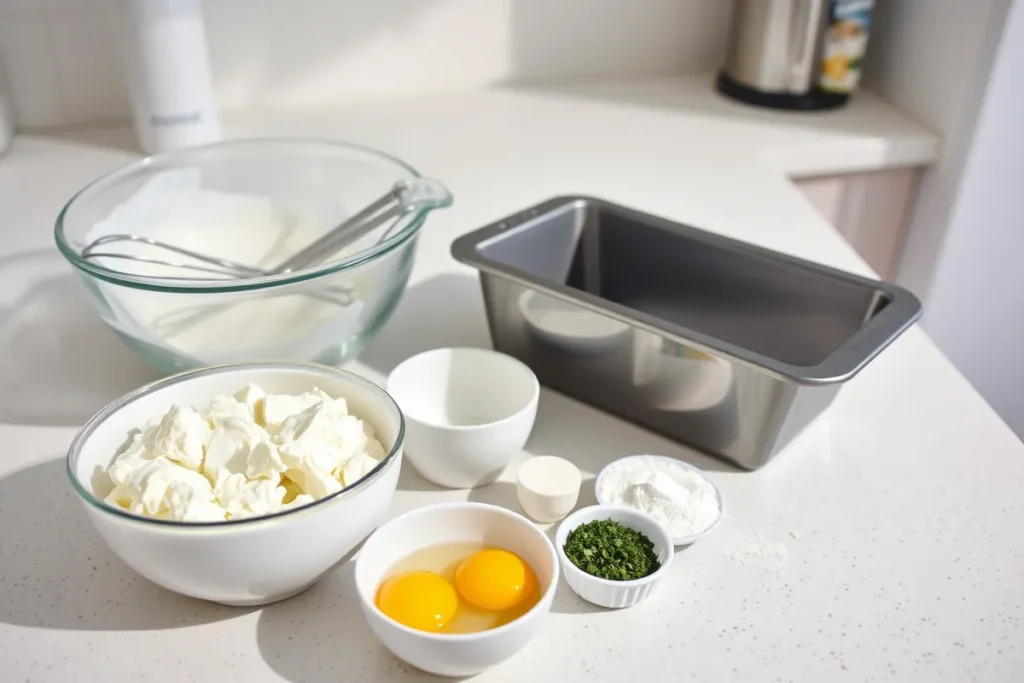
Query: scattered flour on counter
x,y
769,556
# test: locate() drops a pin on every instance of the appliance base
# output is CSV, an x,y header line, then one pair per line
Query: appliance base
x,y
815,100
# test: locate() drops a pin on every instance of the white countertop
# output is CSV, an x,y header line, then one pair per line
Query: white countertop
x,y
883,545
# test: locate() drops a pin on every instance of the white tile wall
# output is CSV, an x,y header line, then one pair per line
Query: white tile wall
x,y
63,65
89,77
31,65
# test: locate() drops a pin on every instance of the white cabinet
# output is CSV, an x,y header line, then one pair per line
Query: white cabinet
x,y
871,210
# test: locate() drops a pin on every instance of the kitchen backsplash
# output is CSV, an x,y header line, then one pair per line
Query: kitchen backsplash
x,y
62,61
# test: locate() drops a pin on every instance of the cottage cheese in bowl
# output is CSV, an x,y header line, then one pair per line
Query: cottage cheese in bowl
x,y
242,484
242,455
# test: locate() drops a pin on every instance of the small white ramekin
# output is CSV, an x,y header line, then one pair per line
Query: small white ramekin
x,y
468,412
603,592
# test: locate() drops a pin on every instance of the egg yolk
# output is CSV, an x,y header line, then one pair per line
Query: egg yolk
x,y
420,599
494,579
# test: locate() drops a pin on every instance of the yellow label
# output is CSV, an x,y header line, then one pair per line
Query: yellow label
x,y
845,43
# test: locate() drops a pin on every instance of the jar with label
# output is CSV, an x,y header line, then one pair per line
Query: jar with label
x,y
845,42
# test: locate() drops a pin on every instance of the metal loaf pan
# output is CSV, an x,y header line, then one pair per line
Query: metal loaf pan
x,y
719,344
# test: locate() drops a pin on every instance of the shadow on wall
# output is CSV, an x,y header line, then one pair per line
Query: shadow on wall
x,y
690,37
571,38
62,363
333,51
344,51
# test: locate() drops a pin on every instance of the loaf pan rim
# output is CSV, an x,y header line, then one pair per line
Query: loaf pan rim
x,y
843,363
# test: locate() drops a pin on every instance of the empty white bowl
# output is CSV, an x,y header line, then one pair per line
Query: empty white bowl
x,y
468,411
603,592
454,654
677,541
250,561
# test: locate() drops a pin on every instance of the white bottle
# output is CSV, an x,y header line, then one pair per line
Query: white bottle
x,y
168,70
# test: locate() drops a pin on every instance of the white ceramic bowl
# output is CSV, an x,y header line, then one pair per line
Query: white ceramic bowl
x,y
455,654
250,561
681,540
468,411
602,592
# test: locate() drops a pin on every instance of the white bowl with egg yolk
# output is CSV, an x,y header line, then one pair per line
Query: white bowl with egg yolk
x,y
446,523
248,561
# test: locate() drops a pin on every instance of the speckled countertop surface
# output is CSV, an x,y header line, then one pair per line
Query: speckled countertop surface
x,y
884,545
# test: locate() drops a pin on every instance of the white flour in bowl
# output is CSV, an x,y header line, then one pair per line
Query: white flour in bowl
x,y
681,498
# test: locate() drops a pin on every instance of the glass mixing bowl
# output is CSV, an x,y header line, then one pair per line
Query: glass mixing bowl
x,y
256,202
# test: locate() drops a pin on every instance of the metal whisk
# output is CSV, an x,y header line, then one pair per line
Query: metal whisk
x,y
391,205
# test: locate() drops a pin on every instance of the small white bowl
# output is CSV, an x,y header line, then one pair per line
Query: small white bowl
x,y
548,487
468,411
250,561
681,540
455,654
603,592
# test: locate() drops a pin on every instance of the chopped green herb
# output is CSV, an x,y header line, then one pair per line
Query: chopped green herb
x,y
608,550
